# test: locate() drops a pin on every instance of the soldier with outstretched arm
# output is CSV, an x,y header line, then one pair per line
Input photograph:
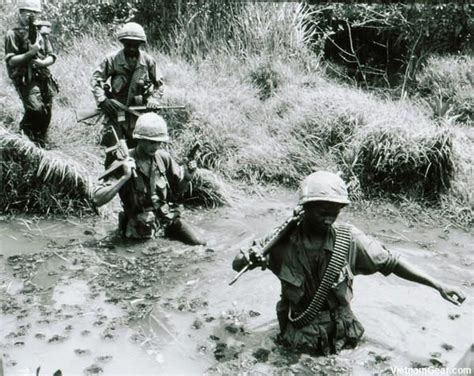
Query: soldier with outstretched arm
x,y
145,182
316,260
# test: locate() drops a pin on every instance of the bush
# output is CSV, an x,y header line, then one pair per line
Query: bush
x,y
377,42
447,84
394,161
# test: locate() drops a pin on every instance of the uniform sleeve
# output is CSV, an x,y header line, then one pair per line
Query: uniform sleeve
x,y
174,171
11,48
99,77
105,183
156,78
371,256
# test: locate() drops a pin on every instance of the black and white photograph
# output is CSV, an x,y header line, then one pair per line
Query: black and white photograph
x,y
224,187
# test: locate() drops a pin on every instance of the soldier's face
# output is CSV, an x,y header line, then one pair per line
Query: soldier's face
x,y
321,214
25,15
131,48
148,147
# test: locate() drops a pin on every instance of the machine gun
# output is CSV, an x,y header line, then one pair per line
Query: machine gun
x,y
279,233
121,153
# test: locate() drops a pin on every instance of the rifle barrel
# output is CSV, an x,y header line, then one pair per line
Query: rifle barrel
x,y
239,274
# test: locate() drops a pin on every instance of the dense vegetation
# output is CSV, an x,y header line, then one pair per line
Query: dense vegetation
x,y
270,102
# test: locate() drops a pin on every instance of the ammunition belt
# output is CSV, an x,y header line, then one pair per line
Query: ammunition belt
x,y
338,258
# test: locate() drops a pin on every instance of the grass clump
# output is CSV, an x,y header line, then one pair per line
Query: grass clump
x,y
394,161
447,85
266,80
41,181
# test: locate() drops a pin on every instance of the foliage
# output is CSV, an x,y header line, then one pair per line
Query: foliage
x,y
447,85
394,161
39,181
377,42
73,18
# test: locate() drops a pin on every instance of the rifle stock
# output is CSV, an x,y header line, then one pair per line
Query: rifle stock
x,y
285,227
121,152
82,115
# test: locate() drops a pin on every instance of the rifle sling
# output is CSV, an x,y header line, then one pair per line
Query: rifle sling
x,y
338,258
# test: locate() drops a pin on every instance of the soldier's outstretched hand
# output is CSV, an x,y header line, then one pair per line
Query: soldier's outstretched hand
x,y
452,294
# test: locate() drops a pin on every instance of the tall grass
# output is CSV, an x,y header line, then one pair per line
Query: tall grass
x,y
446,83
241,29
265,113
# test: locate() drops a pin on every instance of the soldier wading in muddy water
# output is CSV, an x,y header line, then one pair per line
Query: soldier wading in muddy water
x,y
316,260
28,54
145,184
135,80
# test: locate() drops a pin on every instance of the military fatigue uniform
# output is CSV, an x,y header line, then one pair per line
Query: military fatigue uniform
x,y
147,212
300,269
36,86
128,78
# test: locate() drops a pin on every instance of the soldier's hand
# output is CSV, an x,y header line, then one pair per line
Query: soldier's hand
x,y
191,166
254,258
152,104
128,167
109,107
34,48
45,30
452,294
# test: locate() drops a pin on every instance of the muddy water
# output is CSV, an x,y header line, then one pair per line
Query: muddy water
x,y
70,302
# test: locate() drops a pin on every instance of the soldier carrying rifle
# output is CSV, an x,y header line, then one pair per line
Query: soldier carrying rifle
x,y
146,180
316,260
28,54
135,80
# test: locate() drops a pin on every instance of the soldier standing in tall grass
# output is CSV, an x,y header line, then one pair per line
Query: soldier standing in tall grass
x,y
134,80
28,54
316,261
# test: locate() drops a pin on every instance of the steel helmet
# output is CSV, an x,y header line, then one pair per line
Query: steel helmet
x,y
133,31
323,186
32,5
151,126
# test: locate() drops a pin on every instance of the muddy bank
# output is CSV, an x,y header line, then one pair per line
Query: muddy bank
x,y
75,298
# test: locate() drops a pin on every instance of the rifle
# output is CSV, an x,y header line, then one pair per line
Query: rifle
x,y
32,38
82,115
121,153
32,30
280,232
